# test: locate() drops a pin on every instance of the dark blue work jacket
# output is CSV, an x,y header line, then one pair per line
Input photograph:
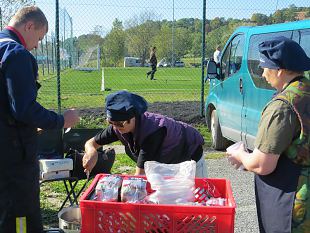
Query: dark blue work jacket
x,y
18,90
20,116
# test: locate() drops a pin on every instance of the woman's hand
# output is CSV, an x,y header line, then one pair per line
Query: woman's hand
x,y
90,157
90,160
234,156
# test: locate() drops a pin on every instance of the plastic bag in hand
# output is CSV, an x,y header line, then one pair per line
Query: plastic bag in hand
x,y
233,148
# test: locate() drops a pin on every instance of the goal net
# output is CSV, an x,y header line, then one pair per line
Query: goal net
x,y
89,60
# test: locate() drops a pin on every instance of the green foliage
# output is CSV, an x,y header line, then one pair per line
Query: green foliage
x,y
144,31
114,45
140,38
259,19
86,41
163,41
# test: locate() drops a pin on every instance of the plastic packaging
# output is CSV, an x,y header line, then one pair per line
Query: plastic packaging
x,y
108,187
216,202
233,148
174,183
133,190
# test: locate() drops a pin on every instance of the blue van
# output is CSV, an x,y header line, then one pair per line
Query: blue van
x,y
237,93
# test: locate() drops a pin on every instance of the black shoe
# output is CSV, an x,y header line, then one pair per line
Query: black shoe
x,y
147,76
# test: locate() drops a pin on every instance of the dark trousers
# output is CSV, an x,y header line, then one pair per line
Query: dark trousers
x,y
19,183
19,201
152,72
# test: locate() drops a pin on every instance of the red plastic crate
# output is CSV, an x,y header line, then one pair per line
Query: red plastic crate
x,y
118,217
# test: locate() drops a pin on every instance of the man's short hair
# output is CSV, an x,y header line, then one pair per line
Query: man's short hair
x,y
30,13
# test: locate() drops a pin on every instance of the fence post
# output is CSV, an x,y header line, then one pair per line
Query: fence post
x,y
42,58
0,18
172,38
203,58
47,59
53,49
58,58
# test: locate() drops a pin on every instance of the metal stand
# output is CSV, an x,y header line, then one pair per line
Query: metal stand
x,y
70,184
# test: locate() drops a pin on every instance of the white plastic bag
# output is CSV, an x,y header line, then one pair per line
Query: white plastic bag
x,y
233,148
174,183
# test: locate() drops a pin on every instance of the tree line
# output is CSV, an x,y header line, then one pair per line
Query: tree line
x,y
175,40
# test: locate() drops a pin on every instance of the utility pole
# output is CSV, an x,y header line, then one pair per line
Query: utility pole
x,y
1,19
58,57
172,58
203,57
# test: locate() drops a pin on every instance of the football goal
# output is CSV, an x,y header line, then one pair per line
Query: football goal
x,y
89,60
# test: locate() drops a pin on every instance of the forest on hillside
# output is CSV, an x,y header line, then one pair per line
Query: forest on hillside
x,y
134,38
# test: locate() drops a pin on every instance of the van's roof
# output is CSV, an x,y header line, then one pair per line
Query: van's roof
x,y
274,27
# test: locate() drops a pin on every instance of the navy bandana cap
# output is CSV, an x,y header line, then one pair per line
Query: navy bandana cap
x,y
124,105
283,53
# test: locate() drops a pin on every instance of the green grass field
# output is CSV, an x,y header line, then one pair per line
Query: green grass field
x,y
82,89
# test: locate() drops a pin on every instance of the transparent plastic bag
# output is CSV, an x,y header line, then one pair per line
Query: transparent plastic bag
x,y
174,183
233,148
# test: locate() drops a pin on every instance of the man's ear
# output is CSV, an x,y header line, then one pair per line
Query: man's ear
x,y
29,26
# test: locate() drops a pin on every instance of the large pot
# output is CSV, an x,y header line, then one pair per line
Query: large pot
x,y
70,219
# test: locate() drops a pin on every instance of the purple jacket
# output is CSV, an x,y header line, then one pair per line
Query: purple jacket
x,y
178,135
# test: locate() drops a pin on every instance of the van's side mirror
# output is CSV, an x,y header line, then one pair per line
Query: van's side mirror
x,y
212,70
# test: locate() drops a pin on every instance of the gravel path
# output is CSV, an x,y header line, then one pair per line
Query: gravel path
x,y
243,191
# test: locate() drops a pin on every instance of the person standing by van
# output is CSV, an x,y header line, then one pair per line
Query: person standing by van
x,y
20,116
281,158
153,62
217,54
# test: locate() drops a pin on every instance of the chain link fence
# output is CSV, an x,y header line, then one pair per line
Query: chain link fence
x,y
104,46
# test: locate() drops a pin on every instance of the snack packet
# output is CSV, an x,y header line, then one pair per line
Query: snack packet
x,y
108,187
133,190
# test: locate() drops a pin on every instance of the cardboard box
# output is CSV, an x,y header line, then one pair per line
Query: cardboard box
x,y
51,165
54,175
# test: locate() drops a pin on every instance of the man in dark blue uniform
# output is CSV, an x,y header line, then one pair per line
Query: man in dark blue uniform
x,y
20,117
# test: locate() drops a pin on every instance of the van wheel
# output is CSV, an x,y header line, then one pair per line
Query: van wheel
x,y
218,141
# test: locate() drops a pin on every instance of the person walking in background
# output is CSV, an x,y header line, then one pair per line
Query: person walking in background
x,y
153,62
281,158
146,136
20,117
217,54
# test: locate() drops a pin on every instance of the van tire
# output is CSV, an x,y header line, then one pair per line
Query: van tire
x,y
218,141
